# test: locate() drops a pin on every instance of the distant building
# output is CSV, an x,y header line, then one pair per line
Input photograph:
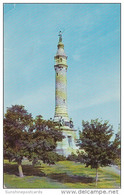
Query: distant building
x,y
68,145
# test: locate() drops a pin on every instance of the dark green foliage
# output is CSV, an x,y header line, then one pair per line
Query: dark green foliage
x,y
95,140
26,137
17,125
116,147
72,157
52,157
44,141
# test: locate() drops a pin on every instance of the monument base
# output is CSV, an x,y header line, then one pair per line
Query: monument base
x,y
68,144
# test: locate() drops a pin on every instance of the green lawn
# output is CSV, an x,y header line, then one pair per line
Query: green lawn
x,y
64,174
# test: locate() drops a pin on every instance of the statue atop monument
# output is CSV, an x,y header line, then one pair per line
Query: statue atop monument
x,y
60,36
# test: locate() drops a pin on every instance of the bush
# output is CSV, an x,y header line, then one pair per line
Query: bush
x,y
72,157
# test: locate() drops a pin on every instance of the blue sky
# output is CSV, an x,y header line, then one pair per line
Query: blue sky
x,y
92,42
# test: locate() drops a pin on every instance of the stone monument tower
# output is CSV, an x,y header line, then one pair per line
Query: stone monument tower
x,y
68,145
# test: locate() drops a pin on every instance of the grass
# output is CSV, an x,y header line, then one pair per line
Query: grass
x,y
65,174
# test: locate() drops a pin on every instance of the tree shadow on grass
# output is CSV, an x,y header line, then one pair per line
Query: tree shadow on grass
x,y
65,178
28,170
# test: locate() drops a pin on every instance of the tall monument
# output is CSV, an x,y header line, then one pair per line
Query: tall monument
x,y
68,145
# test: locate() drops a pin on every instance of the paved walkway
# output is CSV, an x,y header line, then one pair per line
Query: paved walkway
x,y
113,168
116,169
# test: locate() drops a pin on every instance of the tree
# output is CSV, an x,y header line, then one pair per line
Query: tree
x,y
17,125
95,140
116,147
26,137
73,157
44,141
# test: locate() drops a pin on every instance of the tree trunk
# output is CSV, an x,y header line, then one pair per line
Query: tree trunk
x,y
20,169
33,162
96,175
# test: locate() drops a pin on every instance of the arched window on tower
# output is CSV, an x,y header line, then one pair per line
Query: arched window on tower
x,y
60,59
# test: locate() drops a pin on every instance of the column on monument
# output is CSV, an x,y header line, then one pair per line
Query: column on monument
x,y
61,92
